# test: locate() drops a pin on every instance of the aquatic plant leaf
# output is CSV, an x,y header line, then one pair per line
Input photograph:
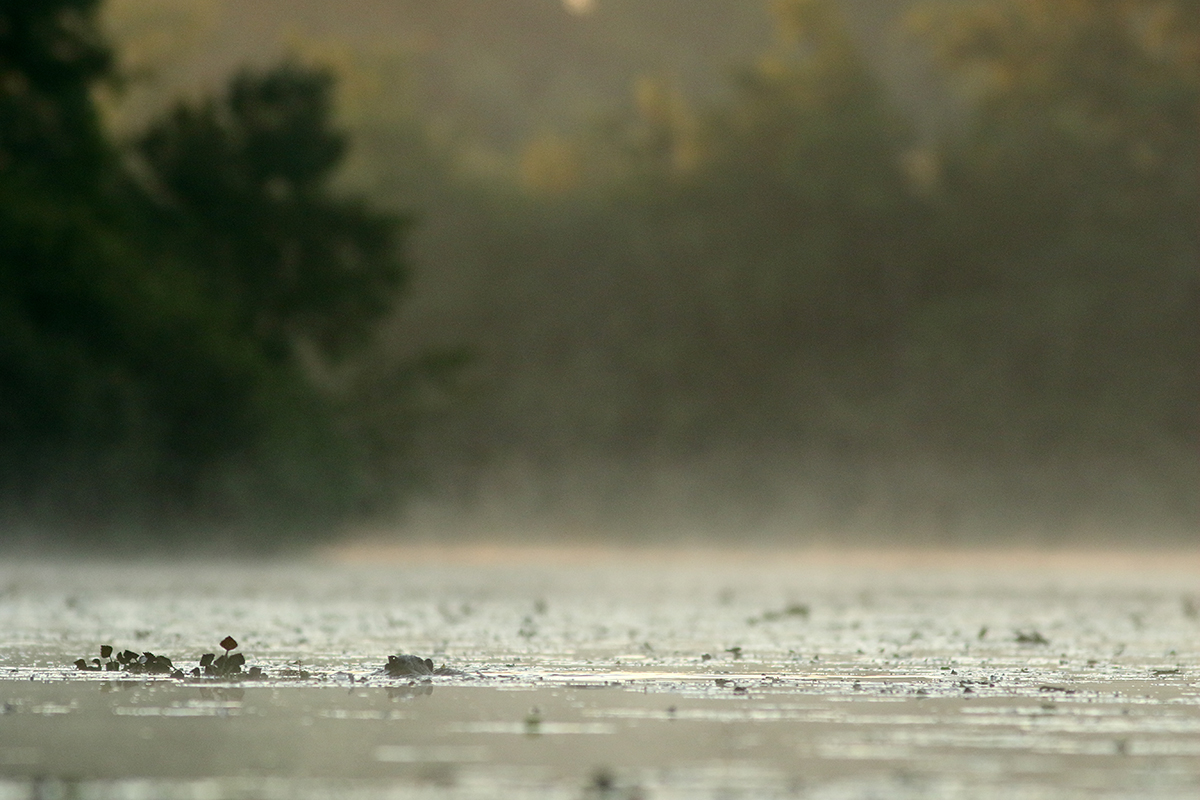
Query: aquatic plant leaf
x,y
228,664
159,665
229,643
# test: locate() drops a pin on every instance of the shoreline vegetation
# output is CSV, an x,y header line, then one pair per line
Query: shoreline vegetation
x,y
301,304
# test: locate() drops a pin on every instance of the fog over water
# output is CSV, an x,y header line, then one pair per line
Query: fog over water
x,y
599,400
591,672
805,271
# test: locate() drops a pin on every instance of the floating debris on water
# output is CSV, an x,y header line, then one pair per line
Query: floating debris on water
x,y
1031,637
227,665
1041,675
128,661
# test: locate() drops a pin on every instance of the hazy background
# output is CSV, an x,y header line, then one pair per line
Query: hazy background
x,y
802,270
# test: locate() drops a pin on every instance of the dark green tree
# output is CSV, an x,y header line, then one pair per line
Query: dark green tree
x,y
70,282
50,56
150,319
249,179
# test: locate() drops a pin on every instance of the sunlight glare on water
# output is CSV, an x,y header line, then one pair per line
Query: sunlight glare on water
x,y
579,673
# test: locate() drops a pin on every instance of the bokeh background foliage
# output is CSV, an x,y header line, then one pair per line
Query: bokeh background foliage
x,y
159,298
911,269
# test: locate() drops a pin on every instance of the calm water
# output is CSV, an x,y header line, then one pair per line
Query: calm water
x,y
587,674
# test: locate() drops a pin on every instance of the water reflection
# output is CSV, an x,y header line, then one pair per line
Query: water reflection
x,y
410,691
730,680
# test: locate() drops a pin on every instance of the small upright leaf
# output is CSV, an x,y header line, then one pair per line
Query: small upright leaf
x,y
228,643
105,650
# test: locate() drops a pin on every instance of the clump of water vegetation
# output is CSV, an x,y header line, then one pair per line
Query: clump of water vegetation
x,y
239,265
226,665
128,661
408,666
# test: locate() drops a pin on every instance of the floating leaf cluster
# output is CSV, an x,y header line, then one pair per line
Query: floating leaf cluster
x,y
226,665
129,661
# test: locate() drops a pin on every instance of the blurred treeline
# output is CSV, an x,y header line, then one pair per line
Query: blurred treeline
x,y
818,296
801,304
169,307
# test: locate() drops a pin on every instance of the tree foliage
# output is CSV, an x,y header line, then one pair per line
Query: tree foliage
x,y
249,176
1075,196
789,293
50,55
151,319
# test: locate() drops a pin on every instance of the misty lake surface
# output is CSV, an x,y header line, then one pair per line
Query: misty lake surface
x,y
589,673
